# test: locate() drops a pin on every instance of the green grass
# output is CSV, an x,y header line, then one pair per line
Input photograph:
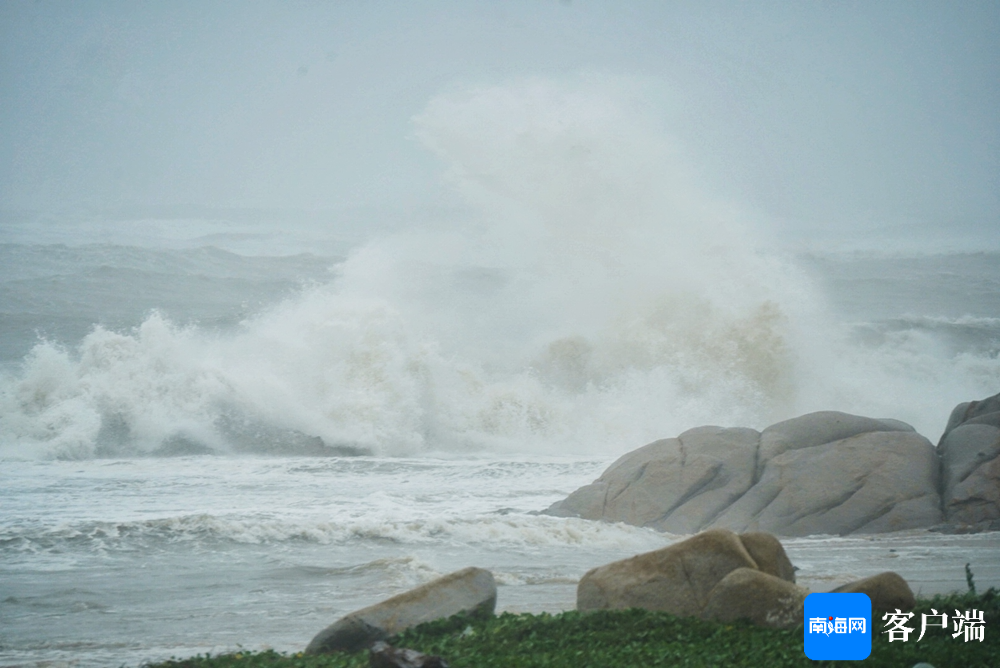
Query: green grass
x,y
628,638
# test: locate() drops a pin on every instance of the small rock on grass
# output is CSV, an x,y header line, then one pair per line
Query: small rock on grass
x,y
471,590
384,655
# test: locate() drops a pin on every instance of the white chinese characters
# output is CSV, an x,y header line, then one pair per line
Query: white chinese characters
x,y
971,624
896,625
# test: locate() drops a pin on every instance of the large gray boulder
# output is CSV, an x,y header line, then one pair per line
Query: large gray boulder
x,y
678,578
820,428
869,483
676,484
821,473
470,590
970,465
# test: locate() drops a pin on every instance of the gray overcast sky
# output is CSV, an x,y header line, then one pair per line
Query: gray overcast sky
x,y
843,115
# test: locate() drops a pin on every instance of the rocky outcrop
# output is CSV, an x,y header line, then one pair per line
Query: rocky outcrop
x,y
763,599
676,579
821,473
470,590
887,591
970,465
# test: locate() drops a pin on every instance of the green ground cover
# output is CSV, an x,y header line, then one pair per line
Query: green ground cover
x,y
629,638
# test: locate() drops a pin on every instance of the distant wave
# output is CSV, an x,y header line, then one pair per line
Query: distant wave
x,y
526,531
965,338
969,321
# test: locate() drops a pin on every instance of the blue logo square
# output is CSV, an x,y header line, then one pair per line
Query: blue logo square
x,y
837,627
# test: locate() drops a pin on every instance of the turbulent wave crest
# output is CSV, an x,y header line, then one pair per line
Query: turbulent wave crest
x,y
592,301
523,531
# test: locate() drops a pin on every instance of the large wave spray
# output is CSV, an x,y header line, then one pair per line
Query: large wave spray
x,y
593,301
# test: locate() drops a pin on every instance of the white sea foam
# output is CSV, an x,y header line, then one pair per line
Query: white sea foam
x,y
593,301
514,531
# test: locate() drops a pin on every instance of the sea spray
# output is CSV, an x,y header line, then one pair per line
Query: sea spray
x,y
591,301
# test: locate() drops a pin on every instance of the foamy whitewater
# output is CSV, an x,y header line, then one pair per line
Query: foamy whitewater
x,y
204,449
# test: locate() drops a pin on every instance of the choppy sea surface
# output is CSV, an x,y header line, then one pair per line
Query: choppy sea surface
x,y
174,425
119,561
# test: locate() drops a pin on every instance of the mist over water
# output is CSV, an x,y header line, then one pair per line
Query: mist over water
x,y
591,301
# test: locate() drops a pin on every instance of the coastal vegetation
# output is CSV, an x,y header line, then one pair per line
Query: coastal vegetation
x,y
636,637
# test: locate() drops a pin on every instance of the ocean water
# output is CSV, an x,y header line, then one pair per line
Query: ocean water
x,y
208,443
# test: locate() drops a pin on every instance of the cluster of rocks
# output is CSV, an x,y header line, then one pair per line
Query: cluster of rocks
x,y
821,473
716,575
719,575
